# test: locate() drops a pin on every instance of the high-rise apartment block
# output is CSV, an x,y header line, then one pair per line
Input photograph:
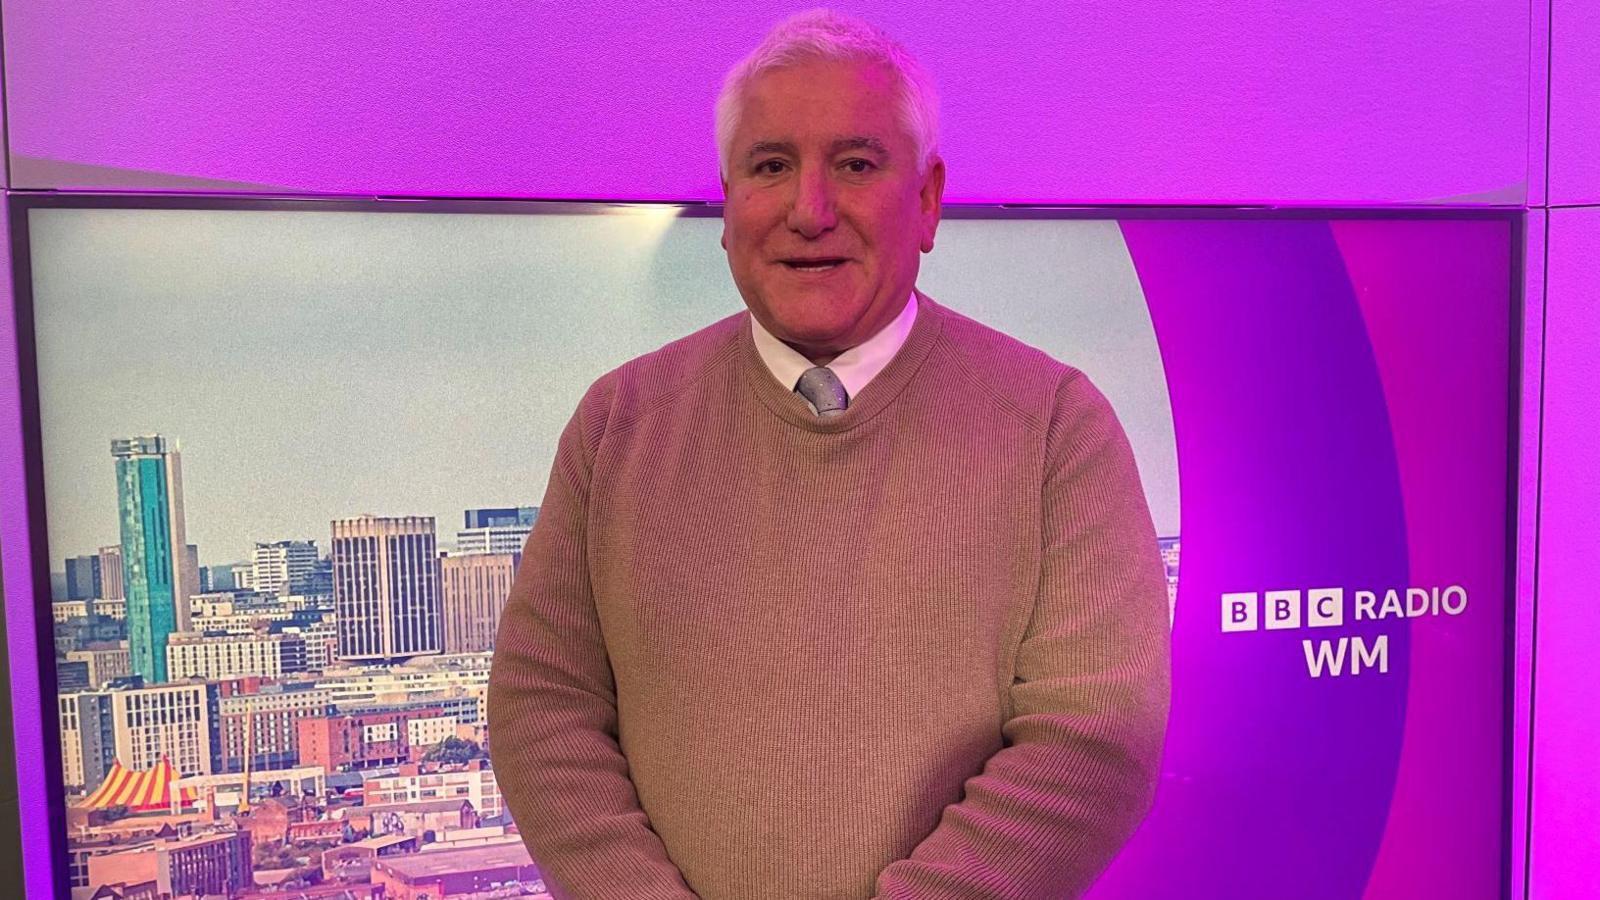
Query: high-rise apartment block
x,y
157,567
474,588
386,587
137,726
88,739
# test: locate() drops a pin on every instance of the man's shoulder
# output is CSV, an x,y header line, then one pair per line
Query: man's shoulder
x,y
1020,376
651,379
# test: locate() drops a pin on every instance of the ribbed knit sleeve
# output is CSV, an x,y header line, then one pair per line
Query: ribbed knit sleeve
x,y
553,705
1089,699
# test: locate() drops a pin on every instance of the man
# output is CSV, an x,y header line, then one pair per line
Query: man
x,y
848,596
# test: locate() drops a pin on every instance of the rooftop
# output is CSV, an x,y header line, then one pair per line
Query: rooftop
x,y
420,806
419,866
383,840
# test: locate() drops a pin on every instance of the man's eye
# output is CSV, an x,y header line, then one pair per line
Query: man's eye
x,y
859,166
769,166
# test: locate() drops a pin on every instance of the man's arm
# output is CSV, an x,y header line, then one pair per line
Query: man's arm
x,y
1082,749
553,706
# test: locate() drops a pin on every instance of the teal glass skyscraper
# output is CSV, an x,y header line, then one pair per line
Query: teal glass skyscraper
x,y
155,576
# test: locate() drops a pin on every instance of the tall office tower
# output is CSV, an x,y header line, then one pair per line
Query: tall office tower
x,y
386,587
83,577
474,588
283,567
157,574
502,530
111,573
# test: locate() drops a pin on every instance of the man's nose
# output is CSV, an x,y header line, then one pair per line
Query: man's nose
x,y
812,213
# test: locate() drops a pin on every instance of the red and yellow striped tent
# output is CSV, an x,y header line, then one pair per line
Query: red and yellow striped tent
x,y
145,791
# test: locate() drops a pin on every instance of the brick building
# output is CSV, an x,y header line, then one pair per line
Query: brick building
x,y
369,738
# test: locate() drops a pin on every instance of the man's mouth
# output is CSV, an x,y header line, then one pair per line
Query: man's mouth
x,y
815,264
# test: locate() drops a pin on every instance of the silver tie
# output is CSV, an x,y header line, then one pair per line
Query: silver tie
x,y
822,388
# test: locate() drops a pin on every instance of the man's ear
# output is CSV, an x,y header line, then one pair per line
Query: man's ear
x,y
932,196
724,181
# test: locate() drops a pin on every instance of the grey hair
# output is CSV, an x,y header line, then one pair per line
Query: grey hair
x,y
823,34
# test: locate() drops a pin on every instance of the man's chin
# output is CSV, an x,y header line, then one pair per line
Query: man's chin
x,y
810,332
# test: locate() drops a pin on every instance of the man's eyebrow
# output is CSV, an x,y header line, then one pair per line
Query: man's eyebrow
x,y
861,143
760,147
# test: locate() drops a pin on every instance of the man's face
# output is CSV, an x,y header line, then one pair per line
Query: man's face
x,y
826,209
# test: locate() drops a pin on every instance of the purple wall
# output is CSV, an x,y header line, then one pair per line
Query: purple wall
x,y
1566,730
18,582
1574,102
1356,102
1566,767
22,673
1352,102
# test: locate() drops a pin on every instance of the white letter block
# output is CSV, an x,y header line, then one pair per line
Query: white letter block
x,y
1325,607
1282,610
1239,612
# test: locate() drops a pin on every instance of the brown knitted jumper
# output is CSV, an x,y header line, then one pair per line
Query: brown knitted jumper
x,y
916,650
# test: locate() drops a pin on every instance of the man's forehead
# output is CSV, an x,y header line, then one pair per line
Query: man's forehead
x,y
823,106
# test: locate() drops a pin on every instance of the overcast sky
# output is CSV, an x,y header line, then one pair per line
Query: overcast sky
x,y
316,364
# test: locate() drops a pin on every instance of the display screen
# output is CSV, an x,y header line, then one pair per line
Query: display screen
x,y
239,400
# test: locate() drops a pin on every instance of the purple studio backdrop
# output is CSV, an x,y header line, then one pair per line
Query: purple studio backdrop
x,y
1341,394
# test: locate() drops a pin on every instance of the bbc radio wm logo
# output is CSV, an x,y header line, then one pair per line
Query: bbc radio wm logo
x,y
1289,610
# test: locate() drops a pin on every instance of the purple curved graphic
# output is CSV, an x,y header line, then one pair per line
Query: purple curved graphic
x,y
1446,373
1275,783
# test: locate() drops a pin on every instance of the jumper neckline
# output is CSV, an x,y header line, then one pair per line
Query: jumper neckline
x,y
878,394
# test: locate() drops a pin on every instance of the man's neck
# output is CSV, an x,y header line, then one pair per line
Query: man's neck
x,y
821,360
855,366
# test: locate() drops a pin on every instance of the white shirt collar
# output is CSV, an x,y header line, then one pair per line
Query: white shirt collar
x,y
855,367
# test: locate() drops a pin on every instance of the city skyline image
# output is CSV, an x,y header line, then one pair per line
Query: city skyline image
x,y
315,366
